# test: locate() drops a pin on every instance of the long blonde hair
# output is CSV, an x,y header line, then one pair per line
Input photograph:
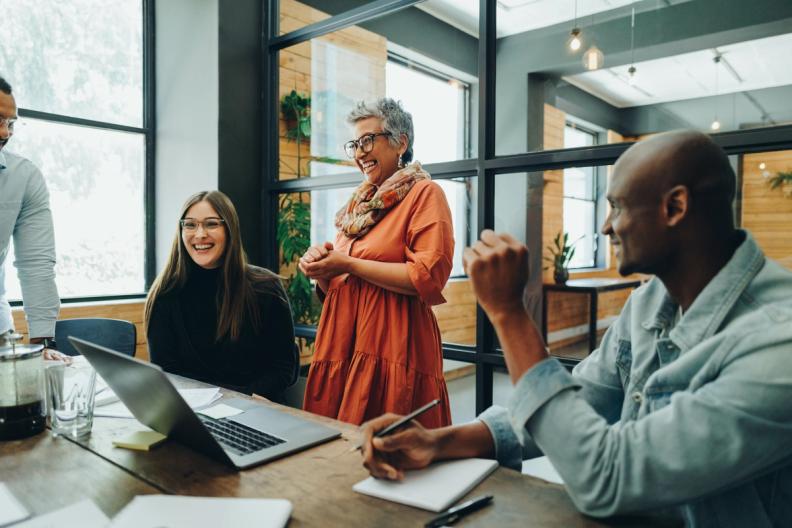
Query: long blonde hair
x,y
236,298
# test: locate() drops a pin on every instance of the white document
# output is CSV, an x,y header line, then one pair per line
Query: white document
x,y
434,488
83,514
150,511
221,410
11,510
542,468
195,398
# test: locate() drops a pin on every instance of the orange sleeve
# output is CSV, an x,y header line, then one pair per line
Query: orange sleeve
x,y
430,243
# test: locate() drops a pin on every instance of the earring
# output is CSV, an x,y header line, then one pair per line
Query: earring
x,y
400,163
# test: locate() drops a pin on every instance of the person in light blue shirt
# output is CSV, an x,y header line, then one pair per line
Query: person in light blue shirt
x,y
687,403
25,215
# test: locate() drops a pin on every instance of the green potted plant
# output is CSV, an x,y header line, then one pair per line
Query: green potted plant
x,y
781,180
294,213
561,253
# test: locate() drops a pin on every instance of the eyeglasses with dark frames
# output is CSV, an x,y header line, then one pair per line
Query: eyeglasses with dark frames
x,y
364,143
190,225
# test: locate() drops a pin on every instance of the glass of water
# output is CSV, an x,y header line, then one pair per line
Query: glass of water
x,y
71,393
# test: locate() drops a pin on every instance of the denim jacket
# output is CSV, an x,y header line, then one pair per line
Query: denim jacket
x,y
25,215
696,414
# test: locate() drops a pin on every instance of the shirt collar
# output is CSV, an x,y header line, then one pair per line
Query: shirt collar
x,y
715,301
2,160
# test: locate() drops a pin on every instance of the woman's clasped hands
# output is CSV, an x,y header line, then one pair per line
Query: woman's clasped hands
x,y
322,262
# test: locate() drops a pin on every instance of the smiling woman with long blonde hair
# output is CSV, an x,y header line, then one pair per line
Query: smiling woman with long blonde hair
x,y
213,317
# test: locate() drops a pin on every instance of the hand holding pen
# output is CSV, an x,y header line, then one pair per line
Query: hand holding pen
x,y
393,444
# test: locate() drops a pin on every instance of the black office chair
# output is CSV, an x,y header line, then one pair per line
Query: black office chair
x,y
115,334
294,393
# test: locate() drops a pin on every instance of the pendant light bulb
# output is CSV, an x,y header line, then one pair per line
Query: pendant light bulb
x,y
715,125
574,41
593,59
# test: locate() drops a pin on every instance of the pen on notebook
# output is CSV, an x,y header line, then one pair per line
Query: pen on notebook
x,y
452,515
403,421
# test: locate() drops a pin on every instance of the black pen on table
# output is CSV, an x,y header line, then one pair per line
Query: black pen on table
x,y
402,421
457,512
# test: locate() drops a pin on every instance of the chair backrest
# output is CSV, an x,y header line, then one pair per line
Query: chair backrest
x,y
115,334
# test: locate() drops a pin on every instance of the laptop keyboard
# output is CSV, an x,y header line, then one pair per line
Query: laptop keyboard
x,y
237,438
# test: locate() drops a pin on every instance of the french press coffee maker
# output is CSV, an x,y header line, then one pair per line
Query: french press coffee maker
x,y
21,387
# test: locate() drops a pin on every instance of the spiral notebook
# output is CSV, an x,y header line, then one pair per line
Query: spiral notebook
x,y
434,488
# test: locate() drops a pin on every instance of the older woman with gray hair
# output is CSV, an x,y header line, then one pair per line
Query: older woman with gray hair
x,y
378,346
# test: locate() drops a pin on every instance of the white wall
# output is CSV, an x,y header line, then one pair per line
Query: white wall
x,y
187,108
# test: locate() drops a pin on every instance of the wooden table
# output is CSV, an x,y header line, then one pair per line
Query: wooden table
x,y
592,287
46,473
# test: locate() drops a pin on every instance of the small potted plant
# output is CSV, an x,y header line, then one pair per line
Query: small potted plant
x,y
561,253
782,180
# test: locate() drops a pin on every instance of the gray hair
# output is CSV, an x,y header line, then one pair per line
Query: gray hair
x,y
395,121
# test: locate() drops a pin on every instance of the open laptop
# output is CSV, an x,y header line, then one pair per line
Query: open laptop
x,y
257,435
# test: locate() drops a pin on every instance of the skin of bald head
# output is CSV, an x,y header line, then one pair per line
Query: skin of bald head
x,y
669,194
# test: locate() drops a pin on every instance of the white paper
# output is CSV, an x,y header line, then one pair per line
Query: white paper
x,y
542,468
221,410
83,514
195,398
434,488
202,512
11,510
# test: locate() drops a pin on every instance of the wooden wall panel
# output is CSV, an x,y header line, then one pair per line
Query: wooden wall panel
x,y
457,317
767,213
127,310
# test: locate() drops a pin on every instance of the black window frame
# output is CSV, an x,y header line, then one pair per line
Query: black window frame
x,y
485,355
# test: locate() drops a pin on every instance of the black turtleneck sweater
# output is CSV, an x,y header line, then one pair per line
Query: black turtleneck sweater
x,y
182,329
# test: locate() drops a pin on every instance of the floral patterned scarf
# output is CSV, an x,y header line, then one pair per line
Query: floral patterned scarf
x,y
370,203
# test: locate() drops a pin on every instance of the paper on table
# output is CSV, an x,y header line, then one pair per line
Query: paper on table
x,y
199,512
195,398
434,488
83,514
11,510
541,467
221,410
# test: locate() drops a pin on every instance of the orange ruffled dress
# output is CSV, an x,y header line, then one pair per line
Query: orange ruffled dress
x,y
378,351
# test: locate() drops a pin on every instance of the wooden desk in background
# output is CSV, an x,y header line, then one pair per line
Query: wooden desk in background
x,y
46,474
592,287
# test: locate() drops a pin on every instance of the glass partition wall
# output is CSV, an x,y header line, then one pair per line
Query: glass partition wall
x,y
520,128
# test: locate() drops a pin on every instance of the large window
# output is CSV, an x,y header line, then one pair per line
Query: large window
x,y
525,171
580,201
77,71
440,106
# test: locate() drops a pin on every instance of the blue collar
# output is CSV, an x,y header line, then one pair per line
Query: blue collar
x,y
715,301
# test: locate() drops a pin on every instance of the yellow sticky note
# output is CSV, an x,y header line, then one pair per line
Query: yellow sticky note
x,y
140,440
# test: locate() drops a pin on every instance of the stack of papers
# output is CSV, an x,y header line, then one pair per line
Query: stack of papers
x,y
203,512
195,398
541,467
83,514
11,510
434,488
168,510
